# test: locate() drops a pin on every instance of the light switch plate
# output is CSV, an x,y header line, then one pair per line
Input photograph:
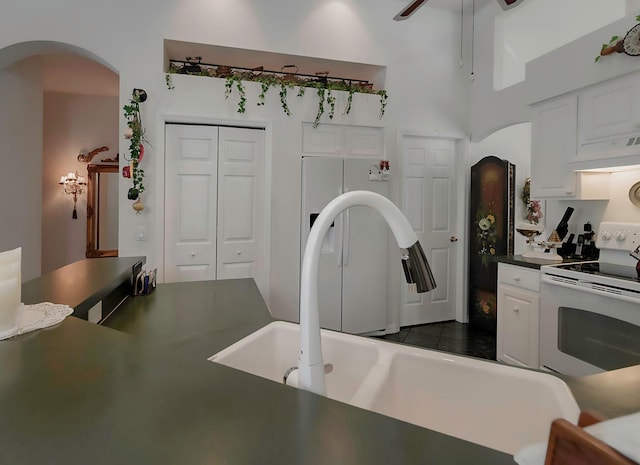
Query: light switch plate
x,y
141,233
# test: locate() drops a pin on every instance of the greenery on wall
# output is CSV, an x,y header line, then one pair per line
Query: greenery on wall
x,y
284,81
135,134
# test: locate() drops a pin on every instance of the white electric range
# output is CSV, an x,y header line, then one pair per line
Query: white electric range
x,y
590,311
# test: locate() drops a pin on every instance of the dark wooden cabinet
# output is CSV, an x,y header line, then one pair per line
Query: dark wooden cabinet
x,y
491,233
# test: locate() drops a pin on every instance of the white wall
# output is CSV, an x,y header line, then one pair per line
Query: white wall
x,y
72,124
513,144
565,69
618,208
20,187
427,88
538,27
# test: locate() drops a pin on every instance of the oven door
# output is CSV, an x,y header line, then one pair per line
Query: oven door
x,y
587,328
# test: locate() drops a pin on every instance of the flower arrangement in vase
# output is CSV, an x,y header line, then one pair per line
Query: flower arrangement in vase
x,y
533,208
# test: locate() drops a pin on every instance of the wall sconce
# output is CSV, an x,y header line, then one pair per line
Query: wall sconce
x,y
72,184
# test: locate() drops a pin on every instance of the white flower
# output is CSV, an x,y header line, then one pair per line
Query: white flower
x,y
484,224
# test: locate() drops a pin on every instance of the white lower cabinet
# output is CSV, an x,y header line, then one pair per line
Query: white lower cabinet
x,y
518,315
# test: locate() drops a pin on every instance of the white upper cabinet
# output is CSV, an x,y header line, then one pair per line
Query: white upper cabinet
x,y
609,122
553,146
343,140
554,135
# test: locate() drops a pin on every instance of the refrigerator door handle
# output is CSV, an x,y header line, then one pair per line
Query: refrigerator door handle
x,y
339,236
346,238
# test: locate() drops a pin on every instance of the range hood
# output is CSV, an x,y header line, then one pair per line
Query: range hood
x,y
614,154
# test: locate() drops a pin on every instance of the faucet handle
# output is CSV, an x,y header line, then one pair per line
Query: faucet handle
x,y
416,269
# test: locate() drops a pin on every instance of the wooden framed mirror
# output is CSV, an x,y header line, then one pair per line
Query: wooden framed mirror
x,y
102,211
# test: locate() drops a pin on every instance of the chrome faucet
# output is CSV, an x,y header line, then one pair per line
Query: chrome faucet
x,y
414,262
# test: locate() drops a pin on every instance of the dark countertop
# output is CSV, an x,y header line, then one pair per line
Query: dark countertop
x,y
81,284
143,392
534,263
612,394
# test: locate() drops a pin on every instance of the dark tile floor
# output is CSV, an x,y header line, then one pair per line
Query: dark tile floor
x,y
449,336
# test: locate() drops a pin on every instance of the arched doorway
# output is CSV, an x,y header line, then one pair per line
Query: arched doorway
x,y
58,101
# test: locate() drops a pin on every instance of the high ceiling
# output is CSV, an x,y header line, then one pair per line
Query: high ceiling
x,y
75,74
453,5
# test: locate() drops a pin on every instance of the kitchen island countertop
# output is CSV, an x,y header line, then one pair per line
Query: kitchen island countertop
x,y
142,391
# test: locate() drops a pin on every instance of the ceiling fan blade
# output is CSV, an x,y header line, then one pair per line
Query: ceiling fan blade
x,y
508,4
409,10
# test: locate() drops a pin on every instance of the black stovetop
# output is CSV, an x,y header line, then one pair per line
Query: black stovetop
x,y
610,270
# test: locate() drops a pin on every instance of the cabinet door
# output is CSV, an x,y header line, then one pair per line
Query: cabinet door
x,y
324,139
343,140
607,111
241,195
553,146
191,186
362,140
518,321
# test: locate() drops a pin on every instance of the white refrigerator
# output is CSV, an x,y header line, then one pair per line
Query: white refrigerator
x,y
353,262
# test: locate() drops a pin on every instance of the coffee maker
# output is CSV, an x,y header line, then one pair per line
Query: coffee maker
x,y
585,245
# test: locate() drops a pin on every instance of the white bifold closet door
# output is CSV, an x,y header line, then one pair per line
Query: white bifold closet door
x,y
214,203
353,263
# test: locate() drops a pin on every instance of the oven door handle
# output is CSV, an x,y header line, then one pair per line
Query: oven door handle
x,y
582,286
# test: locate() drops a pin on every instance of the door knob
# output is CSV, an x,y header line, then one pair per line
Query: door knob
x,y
453,239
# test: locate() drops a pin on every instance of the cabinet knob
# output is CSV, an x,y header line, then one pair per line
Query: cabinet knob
x,y
516,309
239,252
453,239
193,254
516,277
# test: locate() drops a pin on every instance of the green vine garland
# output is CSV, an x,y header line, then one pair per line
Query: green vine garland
x,y
264,88
324,88
383,101
283,97
320,93
135,134
347,107
230,80
331,100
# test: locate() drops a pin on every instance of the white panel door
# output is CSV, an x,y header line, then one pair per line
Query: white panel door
x,y
428,202
321,183
241,194
364,262
191,157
